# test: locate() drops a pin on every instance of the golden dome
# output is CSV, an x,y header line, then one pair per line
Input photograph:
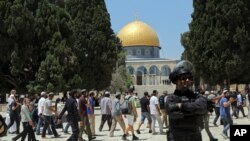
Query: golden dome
x,y
138,33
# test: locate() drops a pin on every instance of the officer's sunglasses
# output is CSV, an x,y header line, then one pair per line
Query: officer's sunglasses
x,y
185,77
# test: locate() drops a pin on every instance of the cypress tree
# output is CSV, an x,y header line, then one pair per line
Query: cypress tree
x,y
95,43
53,33
16,43
217,36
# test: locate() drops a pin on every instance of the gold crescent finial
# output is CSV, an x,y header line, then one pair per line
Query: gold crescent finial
x,y
136,16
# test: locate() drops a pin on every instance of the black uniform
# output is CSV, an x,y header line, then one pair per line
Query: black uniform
x,y
186,121
72,117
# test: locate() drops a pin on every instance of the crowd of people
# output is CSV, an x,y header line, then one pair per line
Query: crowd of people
x,y
39,116
184,113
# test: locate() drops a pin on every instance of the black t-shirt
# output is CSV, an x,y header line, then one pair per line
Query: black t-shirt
x,y
144,104
16,111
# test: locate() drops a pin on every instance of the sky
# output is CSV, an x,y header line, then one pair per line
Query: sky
x,y
169,19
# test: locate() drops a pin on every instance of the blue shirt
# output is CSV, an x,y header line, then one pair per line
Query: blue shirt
x,y
224,111
91,103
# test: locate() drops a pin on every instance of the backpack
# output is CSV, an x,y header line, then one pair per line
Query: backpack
x,y
161,102
210,106
126,106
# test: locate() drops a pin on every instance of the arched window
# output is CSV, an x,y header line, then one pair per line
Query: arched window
x,y
165,72
140,75
154,70
142,69
154,75
130,70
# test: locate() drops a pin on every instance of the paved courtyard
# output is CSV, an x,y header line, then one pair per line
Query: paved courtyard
x,y
103,136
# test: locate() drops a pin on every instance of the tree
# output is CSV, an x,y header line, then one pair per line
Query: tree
x,y
34,38
17,24
218,37
121,80
56,58
95,44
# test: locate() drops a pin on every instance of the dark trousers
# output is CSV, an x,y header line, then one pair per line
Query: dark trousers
x,y
240,108
75,130
234,109
105,118
49,121
206,121
39,125
183,137
27,129
217,114
85,127
227,121
14,118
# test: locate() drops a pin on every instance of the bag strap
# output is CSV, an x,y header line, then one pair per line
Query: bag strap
x,y
118,102
126,99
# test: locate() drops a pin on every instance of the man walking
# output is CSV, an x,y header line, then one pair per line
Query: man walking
x,y
117,116
91,112
73,115
27,123
225,115
162,102
240,104
155,112
40,114
105,105
132,115
84,119
145,112
14,111
49,109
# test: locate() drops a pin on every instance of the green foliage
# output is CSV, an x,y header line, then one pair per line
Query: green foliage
x,y
56,45
121,80
17,24
94,42
218,40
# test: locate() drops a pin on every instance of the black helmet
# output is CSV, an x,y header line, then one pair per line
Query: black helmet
x,y
183,67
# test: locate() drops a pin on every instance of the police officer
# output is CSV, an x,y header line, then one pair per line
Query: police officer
x,y
186,108
73,115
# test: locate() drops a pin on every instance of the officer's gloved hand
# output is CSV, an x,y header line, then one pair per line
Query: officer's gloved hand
x,y
177,115
171,107
184,99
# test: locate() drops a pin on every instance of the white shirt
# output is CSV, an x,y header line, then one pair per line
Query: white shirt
x,y
153,101
239,100
40,105
25,114
165,99
47,104
106,106
10,100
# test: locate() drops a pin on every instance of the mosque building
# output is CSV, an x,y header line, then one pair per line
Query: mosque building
x,y
142,46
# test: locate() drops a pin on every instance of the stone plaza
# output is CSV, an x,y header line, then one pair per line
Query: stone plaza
x,y
144,136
